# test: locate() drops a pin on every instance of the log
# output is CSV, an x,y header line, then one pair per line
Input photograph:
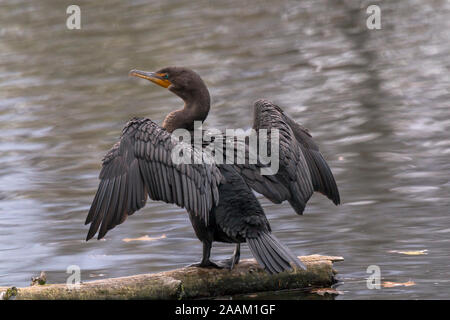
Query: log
x,y
188,283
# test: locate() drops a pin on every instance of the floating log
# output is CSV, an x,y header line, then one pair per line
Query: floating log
x,y
188,283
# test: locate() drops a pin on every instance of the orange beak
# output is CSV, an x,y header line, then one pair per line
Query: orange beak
x,y
158,78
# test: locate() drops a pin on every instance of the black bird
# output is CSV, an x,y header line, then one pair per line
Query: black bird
x,y
218,197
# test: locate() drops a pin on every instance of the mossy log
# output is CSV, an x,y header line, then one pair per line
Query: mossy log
x,y
189,283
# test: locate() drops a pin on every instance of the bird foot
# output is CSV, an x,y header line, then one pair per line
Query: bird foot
x,y
207,264
228,263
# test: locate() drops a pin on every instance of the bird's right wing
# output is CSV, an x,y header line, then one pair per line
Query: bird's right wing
x,y
302,169
321,175
293,170
140,164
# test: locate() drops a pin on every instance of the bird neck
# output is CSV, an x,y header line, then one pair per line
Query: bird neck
x,y
195,109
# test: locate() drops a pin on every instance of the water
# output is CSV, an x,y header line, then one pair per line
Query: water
x,y
377,102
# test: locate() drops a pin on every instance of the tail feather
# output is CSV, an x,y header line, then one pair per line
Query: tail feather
x,y
275,247
272,254
276,264
279,264
263,259
278,246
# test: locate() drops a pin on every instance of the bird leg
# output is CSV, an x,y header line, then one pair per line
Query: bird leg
x,y
231,262
206,262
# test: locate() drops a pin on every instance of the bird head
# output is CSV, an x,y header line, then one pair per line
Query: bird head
x,y
186,84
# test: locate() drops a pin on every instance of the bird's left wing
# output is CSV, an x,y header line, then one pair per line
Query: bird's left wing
x,y
140,164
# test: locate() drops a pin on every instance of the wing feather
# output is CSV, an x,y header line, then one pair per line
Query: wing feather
x,y
321,175
140,165
302,168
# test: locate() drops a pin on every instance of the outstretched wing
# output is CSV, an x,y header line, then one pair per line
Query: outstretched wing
x,y
140,164
321,175
302,169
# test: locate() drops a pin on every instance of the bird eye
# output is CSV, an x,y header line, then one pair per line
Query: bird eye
x,y
166,76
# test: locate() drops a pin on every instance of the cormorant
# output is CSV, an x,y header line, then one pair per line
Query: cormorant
x,y
218,197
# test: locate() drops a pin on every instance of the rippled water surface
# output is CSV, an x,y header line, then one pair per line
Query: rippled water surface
x,y
377,102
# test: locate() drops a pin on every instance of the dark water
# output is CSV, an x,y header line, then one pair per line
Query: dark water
x,y
377,102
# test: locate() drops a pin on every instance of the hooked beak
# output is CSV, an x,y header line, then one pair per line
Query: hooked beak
x,y
154,77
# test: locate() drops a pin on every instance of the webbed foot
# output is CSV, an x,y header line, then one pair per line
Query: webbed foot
x,y
228,263
206,264
234,260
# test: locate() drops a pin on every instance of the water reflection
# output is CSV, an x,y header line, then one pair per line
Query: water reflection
x,y
377,102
